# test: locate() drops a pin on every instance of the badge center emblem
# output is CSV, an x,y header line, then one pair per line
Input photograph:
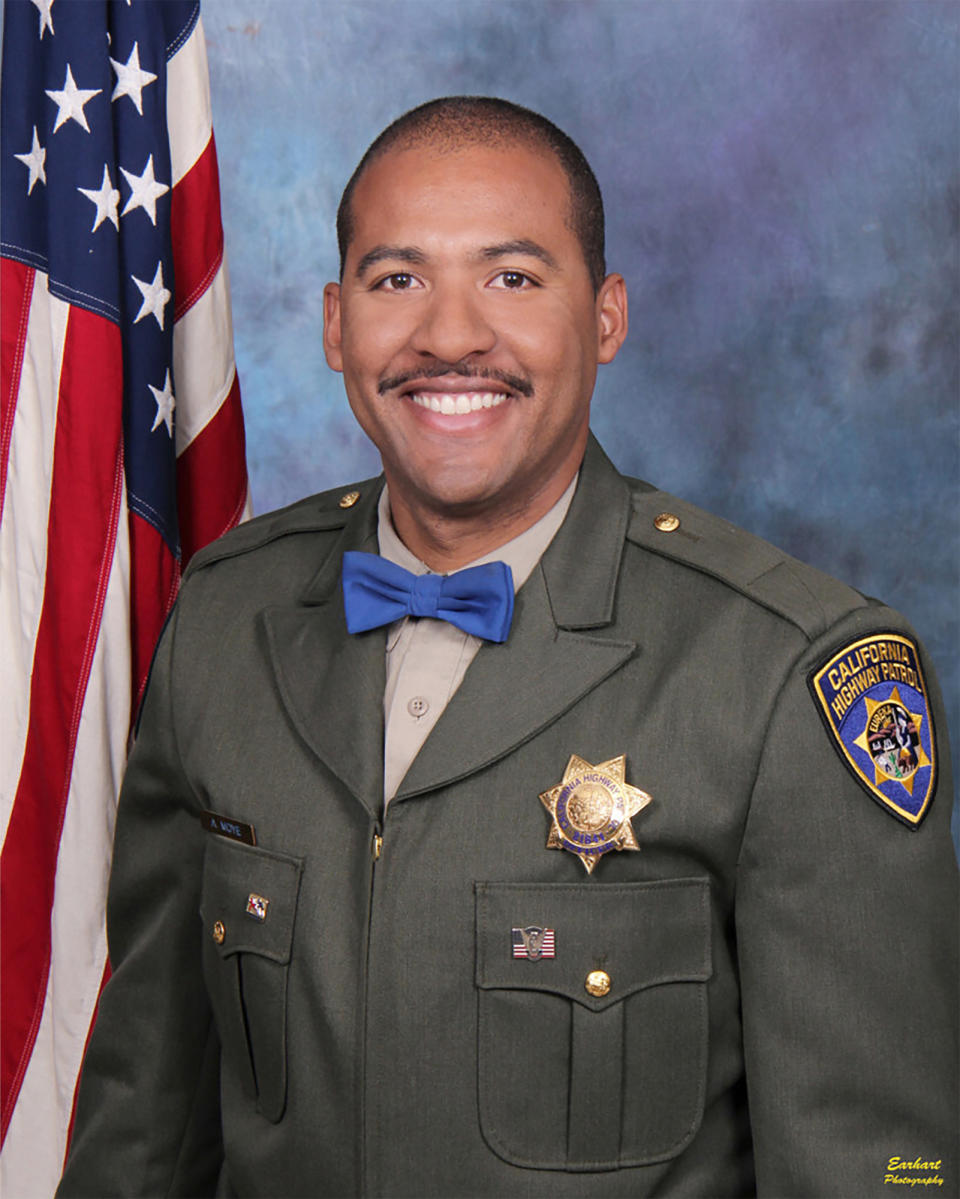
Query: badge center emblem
x,y
891,738
591,809
590,806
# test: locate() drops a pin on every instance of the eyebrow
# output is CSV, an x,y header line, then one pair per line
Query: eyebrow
x,y
522,245
413,256
408,254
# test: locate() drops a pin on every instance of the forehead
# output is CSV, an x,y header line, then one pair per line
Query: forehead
x,y
424,194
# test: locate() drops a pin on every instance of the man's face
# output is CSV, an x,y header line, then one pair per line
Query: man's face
x,y
467,328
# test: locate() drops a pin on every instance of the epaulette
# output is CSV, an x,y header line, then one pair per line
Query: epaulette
x,y
801,594
316,514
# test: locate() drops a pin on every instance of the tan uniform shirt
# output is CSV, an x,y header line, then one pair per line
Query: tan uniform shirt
x,y
427,659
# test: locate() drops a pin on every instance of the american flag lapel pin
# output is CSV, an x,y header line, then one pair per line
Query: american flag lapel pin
x,y
534,942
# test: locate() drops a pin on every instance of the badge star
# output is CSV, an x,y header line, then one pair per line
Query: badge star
x,y
591,809
165,405
35,159
897,745
70,101
131,79
46,20
144,191
106,200
155,296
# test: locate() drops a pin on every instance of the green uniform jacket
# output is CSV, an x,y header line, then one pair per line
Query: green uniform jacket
x,y
781,951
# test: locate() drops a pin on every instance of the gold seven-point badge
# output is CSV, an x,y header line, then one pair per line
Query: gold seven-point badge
x,y
591,809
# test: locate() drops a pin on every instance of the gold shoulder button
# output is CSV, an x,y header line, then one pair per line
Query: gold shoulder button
x,y
666,522
349,498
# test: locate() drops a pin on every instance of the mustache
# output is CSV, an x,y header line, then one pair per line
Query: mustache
x,y
465,370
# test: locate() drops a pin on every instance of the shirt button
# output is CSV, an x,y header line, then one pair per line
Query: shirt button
x,y
418,706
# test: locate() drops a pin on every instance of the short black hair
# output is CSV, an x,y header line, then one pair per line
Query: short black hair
x,y
451,121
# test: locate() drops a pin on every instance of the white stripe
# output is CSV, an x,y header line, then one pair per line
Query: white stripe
x,y
189,119
203,362
23,533
32,1156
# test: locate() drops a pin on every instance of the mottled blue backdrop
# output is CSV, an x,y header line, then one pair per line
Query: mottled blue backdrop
x,y
781,183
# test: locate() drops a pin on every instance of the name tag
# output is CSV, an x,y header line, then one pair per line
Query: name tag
x,y
226,826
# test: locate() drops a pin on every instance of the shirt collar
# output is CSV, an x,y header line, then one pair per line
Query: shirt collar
x,y
521,553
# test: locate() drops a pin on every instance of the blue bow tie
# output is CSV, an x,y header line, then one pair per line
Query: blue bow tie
x,y
478,600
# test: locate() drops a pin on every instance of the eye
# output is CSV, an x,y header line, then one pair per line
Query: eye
x,y
512,281
398,281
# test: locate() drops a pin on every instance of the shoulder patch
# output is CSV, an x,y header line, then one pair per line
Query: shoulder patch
x,y
872,697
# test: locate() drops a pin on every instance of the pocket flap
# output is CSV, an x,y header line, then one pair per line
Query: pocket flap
x,y
638,934
249,899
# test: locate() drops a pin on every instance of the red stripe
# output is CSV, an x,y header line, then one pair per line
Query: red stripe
x,y
212,478
86,1046
16,290
196,233
84,512
154,578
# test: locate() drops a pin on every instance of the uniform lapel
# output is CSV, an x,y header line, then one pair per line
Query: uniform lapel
x,y
550,660
331,683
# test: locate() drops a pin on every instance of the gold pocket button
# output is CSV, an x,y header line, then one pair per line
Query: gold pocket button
x,y
219,932
598,983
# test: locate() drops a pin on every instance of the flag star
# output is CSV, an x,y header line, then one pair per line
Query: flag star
x,y
144,191
106,200
131,80
155,296
46,21
165,405
70,101
35,159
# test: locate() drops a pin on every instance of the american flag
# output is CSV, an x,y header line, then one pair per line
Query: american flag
x,y
121,452
534,942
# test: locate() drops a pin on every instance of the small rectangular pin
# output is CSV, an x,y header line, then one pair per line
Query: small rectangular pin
x,y
534,942
257,906
226,826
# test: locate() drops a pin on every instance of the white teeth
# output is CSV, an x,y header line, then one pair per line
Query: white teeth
x,y
460,403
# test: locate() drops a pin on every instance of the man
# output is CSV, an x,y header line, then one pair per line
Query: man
x,y
614,899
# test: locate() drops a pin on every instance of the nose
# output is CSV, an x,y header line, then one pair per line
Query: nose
x,y
453,325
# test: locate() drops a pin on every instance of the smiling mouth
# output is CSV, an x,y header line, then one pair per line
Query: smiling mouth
x,y
457,404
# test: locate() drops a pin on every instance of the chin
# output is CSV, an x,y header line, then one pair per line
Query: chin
x,y
456,489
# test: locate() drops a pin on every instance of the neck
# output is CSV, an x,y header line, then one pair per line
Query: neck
x,y
446,540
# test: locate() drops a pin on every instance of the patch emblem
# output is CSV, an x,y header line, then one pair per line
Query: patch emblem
x,y
591,809
873,699
534,942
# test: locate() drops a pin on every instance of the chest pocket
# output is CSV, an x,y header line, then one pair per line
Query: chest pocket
x,y
574,1080
248,904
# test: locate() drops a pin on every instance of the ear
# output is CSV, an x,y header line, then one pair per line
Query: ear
x,y
331,326
611,317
